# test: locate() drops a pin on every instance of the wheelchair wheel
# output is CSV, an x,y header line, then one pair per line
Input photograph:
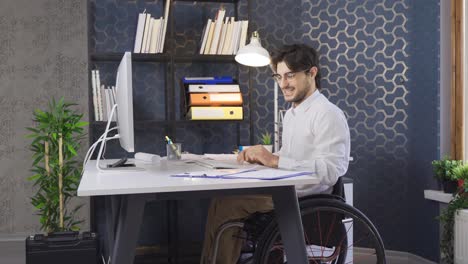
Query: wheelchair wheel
x,y
334,232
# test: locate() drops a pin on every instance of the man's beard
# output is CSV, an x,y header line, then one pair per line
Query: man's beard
x,y
298,97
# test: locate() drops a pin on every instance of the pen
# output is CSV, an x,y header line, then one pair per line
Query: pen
x,y
173,147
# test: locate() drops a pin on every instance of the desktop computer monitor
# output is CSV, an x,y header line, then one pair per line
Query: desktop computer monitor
x,y
123,109
124,100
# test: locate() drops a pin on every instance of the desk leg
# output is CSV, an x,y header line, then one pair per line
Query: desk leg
x,y
112,209
290,224
128,228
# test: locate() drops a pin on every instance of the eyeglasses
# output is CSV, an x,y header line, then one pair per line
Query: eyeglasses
x,y
289,75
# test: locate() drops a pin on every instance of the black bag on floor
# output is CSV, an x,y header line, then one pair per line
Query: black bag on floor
x,y
62,247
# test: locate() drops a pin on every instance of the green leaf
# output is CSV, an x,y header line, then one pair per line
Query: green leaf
x,y
34,177
71,149
82,124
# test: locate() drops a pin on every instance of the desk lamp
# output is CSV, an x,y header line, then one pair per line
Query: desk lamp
x,y
254,55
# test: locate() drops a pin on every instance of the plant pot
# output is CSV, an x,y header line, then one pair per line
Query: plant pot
x,y
450,186
268,147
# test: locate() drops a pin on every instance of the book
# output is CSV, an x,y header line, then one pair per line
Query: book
x,y
160,34
93,82
215,113
150,36
236,37
139,32
213,88
164,27
114,101
145,33
223,36
155,35
106,103
208,80
227,42
243,34
209,39
205,36
215,99
99,96
102,103
217,30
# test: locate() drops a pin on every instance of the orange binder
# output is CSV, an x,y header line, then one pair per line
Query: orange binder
x,y
215,99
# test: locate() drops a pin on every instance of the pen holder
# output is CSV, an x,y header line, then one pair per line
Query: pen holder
x,y
172,150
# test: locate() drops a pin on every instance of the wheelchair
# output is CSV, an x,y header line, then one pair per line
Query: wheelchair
x,y
334,232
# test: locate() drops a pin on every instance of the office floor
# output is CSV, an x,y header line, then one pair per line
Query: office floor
x,y
12,252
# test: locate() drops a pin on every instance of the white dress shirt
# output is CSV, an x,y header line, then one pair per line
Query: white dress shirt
x,y
315,138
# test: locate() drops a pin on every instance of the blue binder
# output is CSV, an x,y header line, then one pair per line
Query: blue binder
x,y
208,80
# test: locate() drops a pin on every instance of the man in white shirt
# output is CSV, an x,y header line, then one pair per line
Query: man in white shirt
x,y
315,138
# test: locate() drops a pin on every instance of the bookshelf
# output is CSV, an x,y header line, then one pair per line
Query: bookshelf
x,y
158,98
177,55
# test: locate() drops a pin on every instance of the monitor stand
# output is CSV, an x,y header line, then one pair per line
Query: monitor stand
x,y
112,169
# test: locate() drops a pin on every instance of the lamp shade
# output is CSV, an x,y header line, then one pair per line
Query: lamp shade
x,y
253,54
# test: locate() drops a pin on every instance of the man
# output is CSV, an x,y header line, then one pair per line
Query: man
x,y
315,138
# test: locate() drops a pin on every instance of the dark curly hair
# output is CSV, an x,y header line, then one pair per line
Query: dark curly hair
x,y
297,57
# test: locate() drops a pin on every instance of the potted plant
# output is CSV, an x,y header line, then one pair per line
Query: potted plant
x,y
461,174
55,143
265,140
447,220
443,171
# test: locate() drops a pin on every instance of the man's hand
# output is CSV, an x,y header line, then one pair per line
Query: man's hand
x,y
258,154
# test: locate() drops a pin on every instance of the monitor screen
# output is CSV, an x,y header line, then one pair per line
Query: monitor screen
x,y
124,100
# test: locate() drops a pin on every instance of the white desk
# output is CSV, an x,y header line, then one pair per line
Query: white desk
x,y
130,191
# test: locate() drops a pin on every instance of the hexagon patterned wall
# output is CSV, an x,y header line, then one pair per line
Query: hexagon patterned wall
x,y
364,48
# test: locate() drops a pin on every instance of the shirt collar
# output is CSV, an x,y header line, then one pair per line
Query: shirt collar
x,y
307,103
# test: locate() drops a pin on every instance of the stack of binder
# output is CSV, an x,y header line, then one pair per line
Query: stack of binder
x,y
213,98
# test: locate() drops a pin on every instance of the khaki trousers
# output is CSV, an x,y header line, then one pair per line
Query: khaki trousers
x,y
222,210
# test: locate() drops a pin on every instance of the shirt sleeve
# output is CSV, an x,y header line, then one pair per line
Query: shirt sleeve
x,y
330,156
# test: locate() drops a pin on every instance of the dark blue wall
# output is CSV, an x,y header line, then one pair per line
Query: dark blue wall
x,y
380,65
423,117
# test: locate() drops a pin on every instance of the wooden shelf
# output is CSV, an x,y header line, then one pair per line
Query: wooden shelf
x,y
136,122
143,57
205,58
183,122
117,56
172,122
209,1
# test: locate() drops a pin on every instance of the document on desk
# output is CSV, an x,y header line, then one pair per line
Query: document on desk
x,y
252,173
214,161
